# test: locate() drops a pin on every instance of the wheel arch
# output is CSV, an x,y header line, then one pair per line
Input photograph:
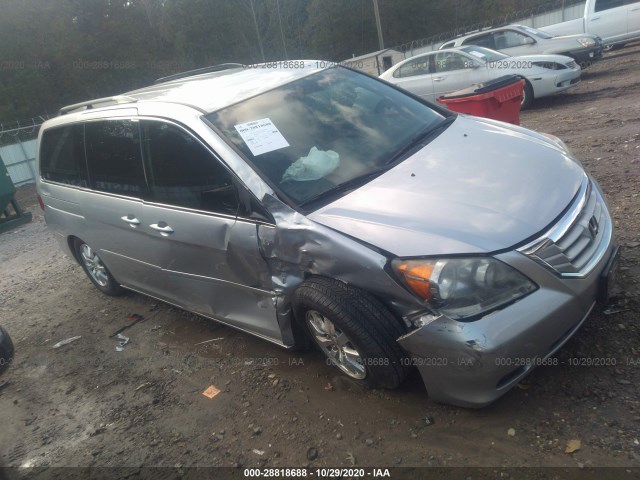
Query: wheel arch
x,y
529,101
372,327
366,293
71,242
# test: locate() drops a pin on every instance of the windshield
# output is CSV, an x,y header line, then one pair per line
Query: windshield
x,y
485,54
537,33
327,130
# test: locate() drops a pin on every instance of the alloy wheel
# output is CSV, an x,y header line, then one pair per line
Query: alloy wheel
x,y
94,265
336,345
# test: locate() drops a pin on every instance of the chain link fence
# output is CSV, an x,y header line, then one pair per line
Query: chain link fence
x,y
18,149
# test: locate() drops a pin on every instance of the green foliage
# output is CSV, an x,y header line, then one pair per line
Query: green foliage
x,y
58,52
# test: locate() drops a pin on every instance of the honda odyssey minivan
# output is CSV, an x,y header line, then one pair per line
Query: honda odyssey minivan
x,y
302,203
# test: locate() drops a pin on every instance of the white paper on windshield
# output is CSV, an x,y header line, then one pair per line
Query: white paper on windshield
x,y
261,136
477,54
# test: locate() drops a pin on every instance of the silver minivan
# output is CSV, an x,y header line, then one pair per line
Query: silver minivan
x,y
312,204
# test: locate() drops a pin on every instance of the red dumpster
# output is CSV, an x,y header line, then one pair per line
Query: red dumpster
x,y
499,99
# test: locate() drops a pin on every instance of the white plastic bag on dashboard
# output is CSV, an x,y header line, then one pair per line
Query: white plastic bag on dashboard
x,y
316,165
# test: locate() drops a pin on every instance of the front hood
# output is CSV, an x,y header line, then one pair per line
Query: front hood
x,y
575,37
479,187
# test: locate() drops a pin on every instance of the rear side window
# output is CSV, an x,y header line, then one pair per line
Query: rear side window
x,y
114,158
417,66
62,156
480,40
182,172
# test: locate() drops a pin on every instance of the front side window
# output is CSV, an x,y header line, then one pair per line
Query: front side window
x,y
62,155
510,39
182,172
113,157
417,66
451,61
608,4
323,135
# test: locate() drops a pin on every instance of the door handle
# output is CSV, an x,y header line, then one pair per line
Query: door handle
x,y
635,9
438,79
164,229
593,19
131,220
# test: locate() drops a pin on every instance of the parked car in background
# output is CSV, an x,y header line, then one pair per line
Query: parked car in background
x,y
289,198
434,74
6,350
615,21
517,40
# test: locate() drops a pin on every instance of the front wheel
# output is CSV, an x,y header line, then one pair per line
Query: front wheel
x,y
96,270
356,333
527,96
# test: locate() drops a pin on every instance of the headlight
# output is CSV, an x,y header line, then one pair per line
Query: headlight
x,y
463,287
586,42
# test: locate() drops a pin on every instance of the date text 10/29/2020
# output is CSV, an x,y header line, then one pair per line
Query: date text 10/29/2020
x,y
316,472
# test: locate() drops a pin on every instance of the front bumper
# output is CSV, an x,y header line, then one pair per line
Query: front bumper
x,y
585,57
471,364
567,79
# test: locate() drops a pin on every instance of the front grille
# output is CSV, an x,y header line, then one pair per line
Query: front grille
x,y
578,241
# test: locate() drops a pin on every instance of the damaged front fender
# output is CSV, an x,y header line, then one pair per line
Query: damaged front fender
x,y
296,248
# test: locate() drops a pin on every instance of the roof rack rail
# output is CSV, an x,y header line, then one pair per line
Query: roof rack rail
x,y
478,30
198,71
99,102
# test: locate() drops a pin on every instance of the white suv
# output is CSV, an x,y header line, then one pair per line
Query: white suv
x,y
516,40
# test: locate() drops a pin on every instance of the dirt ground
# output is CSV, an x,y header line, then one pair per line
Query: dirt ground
x,y
86,404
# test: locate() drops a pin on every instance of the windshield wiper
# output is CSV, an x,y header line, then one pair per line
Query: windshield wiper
x,y
420,138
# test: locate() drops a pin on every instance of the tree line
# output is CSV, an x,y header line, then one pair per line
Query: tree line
x,y
58,52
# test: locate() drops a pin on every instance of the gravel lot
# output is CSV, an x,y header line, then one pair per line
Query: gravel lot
x,y
86,404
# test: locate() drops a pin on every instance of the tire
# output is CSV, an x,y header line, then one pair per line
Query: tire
x,y
6,350
527,97
96,270
360,336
